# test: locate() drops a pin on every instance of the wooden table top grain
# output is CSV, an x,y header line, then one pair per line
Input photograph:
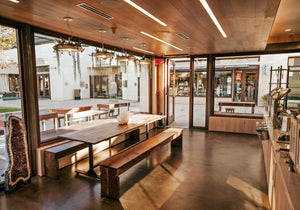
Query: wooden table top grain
x,y
98,132
95,131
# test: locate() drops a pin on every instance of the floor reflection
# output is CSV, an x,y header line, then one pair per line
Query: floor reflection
x,y
152,191
255,195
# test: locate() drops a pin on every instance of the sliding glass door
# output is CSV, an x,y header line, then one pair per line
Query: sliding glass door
x,y
171,92
199,92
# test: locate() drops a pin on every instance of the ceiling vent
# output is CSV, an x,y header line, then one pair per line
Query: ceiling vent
x,y
183,36
94,10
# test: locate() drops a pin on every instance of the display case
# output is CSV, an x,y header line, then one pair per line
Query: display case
x,y
183,89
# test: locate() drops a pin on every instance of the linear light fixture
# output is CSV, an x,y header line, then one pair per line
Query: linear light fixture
x,y
15,1
153,37
145,12
143,50
213,17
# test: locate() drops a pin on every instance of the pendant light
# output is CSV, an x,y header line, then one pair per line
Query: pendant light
x,y
144,60
69,46
103,54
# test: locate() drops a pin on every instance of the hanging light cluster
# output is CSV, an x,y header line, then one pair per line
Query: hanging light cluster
x,y
103,54
67,45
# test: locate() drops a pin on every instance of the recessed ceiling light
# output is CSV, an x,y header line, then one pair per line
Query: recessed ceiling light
x,y
143,50
153,37
213,17
68,19
101,30
145,12
288,30
15,1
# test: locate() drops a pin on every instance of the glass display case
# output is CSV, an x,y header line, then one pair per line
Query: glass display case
x,y
238,86
223,84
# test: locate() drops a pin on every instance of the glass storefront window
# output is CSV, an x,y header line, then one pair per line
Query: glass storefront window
x,y
223,83
182,84
200,84
10,101
200,87
79,79
293,99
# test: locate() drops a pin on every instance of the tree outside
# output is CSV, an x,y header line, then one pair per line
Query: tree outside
x,y
7,41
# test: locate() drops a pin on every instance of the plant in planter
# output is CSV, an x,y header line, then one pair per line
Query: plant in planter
x,y
126,58
104,54
69,46
144,61
265,97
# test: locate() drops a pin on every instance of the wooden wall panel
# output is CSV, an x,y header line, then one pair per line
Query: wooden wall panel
x,y
233,125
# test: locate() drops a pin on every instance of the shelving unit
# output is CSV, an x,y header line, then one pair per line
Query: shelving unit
x,y
280,82
183,89
294,145
283,185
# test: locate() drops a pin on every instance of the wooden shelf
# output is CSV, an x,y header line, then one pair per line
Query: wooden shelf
x,y
283,185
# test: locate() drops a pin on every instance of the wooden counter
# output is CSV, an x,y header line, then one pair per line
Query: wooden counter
x,y
283,186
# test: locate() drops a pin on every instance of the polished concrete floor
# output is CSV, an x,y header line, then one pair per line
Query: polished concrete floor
x,y
211,171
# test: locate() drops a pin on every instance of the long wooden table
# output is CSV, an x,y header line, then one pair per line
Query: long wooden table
x,y
96,131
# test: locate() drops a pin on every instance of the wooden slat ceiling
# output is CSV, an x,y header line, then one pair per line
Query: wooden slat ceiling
x,y
288,17
247,23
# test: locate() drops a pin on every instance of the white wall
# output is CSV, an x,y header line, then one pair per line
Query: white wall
x,y
130,73
144,88
63,81
266,61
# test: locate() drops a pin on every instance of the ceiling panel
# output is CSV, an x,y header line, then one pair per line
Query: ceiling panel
x,y
247,23
288,17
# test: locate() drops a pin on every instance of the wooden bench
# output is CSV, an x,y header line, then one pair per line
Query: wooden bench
x,y
54,153
237,104
229,110
112,167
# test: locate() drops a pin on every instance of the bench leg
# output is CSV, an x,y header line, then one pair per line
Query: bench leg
x,y
176,146
51,165
109,183
177,142
135,135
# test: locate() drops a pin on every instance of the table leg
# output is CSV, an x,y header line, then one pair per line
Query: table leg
x,y
91,171
44,125
147,131
67,119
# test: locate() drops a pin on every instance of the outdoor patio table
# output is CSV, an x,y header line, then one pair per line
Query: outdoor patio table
x,y
66,112
111,106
